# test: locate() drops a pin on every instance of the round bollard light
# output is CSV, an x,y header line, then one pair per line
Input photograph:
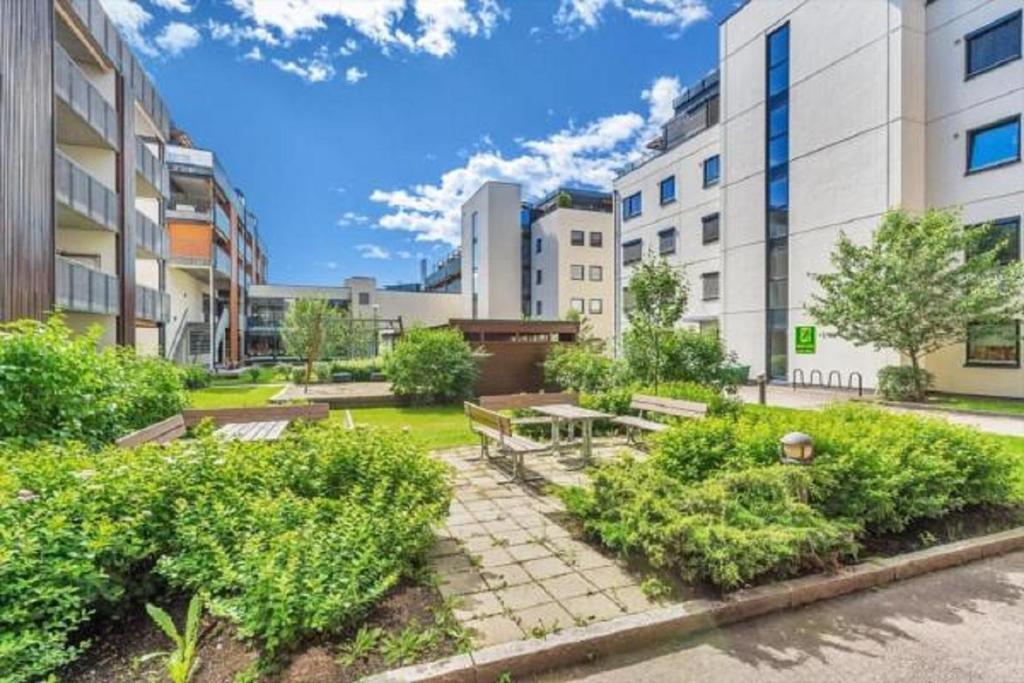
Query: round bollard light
x,y
796,448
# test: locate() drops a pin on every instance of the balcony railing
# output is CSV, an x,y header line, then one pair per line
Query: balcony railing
x,y
221,220
151,237
75,90
222,261
93,203
151,168
688,124
86,290
152,304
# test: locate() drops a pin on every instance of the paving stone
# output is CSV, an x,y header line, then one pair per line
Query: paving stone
x,y
461,583
546,567
451,563
495,557
489,515
588,608
461,518
481,505
541,620
500,525
521,597
632,599
514,537
506,575
548,531
445,546
478,544
609,577
477,605
587,559
567,586
528,551
467,530
494,630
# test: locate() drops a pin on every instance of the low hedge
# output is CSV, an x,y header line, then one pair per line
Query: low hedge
x,y
285,539
875,473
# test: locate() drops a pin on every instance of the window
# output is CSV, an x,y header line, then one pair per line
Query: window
x,y
576,272
540,276
577,305
996,345
709,229
596,306
711,171
993,45
1007,232
577,238
709,286
596,239
538,307
993,145
632,251
709,328
628,300
631,206
364,298
596,273
777,202
667,241
667,190
540,245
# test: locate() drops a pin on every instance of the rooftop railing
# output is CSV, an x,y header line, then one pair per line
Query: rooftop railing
x,y
76,189
86,290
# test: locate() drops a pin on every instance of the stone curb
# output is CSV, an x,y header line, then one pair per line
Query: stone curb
x,y
623,634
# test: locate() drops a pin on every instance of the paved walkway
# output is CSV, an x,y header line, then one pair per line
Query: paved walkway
x,y
786,397
962,624
515,570
339,391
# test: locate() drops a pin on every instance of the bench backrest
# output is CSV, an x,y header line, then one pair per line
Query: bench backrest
x,y
224,416
668,406
488,418
519,401
159,432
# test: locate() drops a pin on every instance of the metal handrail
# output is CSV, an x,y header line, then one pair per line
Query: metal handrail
x,y
178,335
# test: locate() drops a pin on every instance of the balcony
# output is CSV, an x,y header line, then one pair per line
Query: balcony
x,y
84,116
86,290
152,305
83,201
151,170
222,261
686,125
151,240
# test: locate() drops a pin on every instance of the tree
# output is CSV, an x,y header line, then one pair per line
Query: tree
x,y
659,294
918,286
311,331
431,365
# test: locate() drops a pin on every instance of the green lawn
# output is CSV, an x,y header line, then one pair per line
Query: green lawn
x,y
435,426
989,405
267,375
239,396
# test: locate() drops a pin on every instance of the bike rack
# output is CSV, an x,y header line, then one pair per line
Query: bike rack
x,y
839,379
860,383
821,378
803,381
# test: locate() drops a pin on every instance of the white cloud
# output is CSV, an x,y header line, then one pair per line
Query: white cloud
x,y
177,37
373,251
235,33
349,48
315,69
352,218
254,55
403,254
173,5
581,15
131,19
354,74
590,155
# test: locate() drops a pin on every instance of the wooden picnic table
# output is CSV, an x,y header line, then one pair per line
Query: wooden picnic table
x,y
252,431
565,412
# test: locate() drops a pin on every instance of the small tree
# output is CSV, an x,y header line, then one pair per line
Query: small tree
x,y
431,366
310,331
659,294
917,287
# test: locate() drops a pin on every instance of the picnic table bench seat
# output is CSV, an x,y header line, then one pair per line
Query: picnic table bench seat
x,y
646,405
523,401
495,430
639,423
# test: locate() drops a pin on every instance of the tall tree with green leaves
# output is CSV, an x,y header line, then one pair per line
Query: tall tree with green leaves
x,y
311,331
659,295
918,286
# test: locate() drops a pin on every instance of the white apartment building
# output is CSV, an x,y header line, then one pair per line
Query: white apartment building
x,y
831,113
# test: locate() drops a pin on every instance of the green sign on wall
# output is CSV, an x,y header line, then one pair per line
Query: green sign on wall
x,y
806,339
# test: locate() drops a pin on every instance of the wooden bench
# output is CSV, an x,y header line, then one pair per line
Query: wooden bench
x,y
495,428
672,407
159,432
522,401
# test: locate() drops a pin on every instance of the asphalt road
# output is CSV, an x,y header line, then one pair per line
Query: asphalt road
x,y
961,624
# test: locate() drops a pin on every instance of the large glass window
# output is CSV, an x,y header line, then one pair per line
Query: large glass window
x,y
667,241
993,145
711,170
631,206
994,344
1004,233
777,203
632,251
577,238
667,189
993,45
709,231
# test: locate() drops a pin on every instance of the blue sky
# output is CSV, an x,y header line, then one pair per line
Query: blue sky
x,y
356,128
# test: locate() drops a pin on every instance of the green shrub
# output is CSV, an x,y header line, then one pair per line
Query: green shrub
x,y
252,374
195,377
57,386
283,371
322,371
284,539
686,356
897,383
298,375
361,369
431,366
579,368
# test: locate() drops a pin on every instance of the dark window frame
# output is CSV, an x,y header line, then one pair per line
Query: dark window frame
x,y
631,243
600,273
704,279
717,158
661,245
628,201
1017,253
539,248
572,272
717,218
582,307
974,132
599,242
661,190
968,363
988,28
539,277
600,307
572,238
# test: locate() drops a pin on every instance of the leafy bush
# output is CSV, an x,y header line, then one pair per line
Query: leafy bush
x,y
361,369
431,365
252,374
322,371
195,377
901,382
686,356
284,539
57,386
298,374
283,371
579,368
875,472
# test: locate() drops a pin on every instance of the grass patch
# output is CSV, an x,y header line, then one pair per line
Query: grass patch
x,y
979,403
248,396
267,375
434,427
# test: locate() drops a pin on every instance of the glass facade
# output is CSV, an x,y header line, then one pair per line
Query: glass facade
x,y
777,204
474,255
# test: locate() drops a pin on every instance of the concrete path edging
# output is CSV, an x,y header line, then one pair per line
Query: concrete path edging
x,y
623,634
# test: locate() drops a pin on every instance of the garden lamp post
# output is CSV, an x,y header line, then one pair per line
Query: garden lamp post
x,y
796,448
